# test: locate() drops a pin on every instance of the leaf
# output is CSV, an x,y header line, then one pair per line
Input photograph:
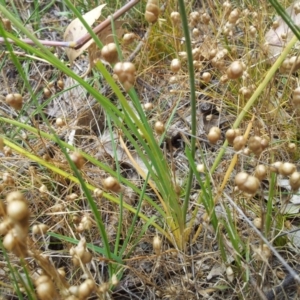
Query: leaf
x,y
76,30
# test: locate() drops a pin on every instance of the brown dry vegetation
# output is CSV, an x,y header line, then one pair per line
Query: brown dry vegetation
x,y
215,252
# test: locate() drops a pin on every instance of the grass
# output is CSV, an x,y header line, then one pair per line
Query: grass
x,y
163,229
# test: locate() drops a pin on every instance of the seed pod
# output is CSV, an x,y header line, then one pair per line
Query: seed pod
x,y
175,65
241,178
15,101
110,183
60,84
47,93
9,241
39,229
60,122
8,179
46,290
229,274
14,196
206,77
159,127
287,169
175,17
276,166
257,222
17,210
292,147
214,135
260,172
250,186
205,18
77,159
109,53
295,181
157,244
201,168
195,18
98,193
148,106
246,92
239,142
126,73
128,38
231,134
152,11
86,257
235,70
254,144
7,24
234,15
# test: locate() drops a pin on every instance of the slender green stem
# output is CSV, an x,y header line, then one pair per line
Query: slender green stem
x,y
193,100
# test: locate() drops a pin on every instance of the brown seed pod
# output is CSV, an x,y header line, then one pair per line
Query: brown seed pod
x,y
175,17
239,142
206,77
14,196
17,210
60,122
214,135
234,16
260,172
231,134
86,257
175,65
110,183
159,127
77,159
126,74
235,70
15,101
40,229
295,181
241,178
250,186
257,222
46,290
98,193
109,53
9,241
286,169
128,38
60,84
47,93
7,24
157,244
152,11
254,144
276,166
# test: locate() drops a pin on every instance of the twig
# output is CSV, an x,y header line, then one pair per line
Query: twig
x,y
84,39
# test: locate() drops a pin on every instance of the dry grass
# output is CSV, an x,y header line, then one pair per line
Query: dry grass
x,y
200,267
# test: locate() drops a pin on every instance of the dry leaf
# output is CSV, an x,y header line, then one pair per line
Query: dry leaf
x,y
76,30
274,36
